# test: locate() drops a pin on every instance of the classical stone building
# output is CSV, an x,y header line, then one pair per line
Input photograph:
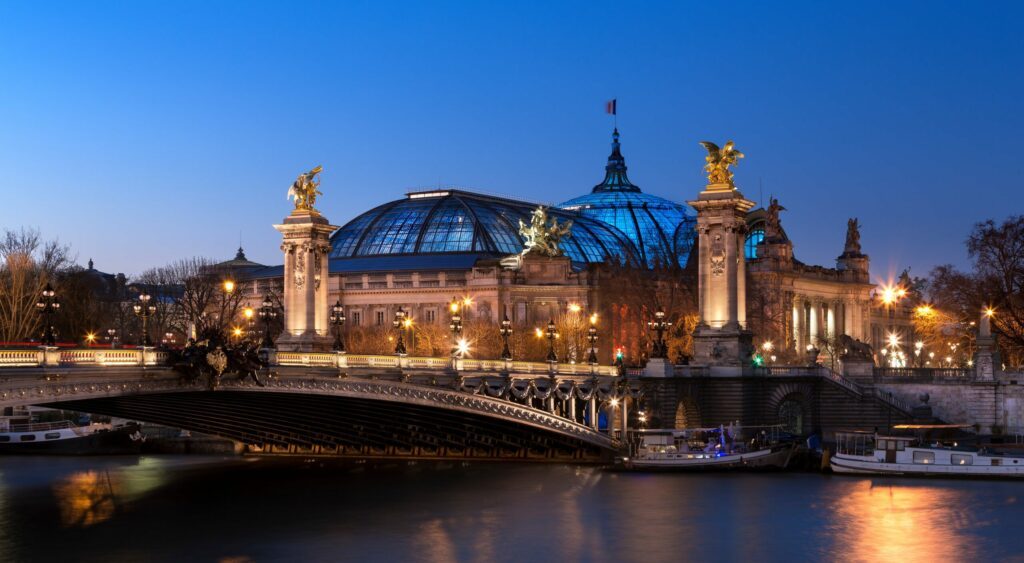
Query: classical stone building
x,y
421,252
801,305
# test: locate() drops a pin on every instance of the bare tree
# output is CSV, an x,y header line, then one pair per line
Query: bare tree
x,y
27,264
997,281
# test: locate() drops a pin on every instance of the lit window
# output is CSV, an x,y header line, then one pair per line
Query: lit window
x,y
750,246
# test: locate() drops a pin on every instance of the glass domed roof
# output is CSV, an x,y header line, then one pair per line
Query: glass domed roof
x,y
660,229
452,221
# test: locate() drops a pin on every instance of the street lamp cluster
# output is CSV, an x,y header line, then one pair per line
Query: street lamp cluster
x,y
144,310
659,325
48,306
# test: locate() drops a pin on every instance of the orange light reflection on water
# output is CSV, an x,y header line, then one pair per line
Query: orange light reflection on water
x,y
902,523
85,498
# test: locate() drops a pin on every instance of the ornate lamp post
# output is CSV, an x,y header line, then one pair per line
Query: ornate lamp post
x,y
505,331
552,334
144,310
112,337
48,306
592,340
267,314
399,323
455,308
337,319
659,325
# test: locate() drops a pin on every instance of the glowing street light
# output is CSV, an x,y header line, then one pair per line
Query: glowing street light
x,y
48,306
592,340
229,286
575,308
399,323
144,310
552,334
337,319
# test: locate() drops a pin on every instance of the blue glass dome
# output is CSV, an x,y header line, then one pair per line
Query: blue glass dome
x,y
660,229
453,221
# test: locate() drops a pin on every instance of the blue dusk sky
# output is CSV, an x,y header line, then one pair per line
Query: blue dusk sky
x,y
143,132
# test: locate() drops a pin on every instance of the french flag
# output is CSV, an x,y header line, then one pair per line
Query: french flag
x,y
610,107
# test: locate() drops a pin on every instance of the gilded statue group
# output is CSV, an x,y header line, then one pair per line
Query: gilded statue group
x,y
718,161
305,189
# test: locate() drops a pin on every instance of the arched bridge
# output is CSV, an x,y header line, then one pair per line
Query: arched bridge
x,y
342,405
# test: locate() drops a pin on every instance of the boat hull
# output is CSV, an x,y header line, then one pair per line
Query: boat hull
x,y
109,442
851,466
764,460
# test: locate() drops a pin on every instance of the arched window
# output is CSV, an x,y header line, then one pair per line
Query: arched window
x,y
750,246
791,416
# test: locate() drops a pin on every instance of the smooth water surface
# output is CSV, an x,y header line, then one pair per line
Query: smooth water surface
x,y
203,509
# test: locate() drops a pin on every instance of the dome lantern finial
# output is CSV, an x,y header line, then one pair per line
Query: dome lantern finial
x,y
615,179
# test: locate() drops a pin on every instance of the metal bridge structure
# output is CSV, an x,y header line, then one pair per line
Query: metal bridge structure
x,y
337,404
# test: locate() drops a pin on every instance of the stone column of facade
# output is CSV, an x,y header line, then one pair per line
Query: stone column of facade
x,y
306,250
797,322
721,338
984,364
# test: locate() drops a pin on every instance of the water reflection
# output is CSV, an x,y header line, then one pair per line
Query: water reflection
x,y
888,522
85,498
128,509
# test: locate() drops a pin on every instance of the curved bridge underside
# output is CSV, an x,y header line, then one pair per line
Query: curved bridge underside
x,y
364,418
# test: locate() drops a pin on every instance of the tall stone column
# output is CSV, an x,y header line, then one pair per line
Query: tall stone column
x,y
721,338
306,250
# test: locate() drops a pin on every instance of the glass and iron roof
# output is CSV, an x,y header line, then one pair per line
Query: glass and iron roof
x,y
457,221
660,229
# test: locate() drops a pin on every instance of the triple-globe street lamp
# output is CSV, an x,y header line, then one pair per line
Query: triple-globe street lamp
x,y
337,319
592,340
48,306
400,324
267,314
455,309
143,309
506,332
659,325
552,334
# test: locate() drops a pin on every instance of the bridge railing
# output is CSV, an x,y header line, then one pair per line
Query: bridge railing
x,y
430,363
924,374
66,357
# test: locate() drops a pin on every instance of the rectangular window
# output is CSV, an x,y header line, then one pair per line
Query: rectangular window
x,y
5,438
901,445
357,318
431,315
961,459
997,462
28,437
924,457
380,318
52,435
882,444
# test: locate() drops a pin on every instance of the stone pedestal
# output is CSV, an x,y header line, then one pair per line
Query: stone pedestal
x,y
721,338
984,361
860,370
306,250
658,367
722,347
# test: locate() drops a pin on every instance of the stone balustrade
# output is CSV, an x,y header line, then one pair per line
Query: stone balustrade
x,y
66,357
429,363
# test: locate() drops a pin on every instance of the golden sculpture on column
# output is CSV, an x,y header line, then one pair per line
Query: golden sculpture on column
x,y
306,245
305,189
718,161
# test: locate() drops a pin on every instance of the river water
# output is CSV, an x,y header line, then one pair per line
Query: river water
x,y
165,508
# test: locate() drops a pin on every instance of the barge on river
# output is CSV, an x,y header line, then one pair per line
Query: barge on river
x,y
863,453
707,449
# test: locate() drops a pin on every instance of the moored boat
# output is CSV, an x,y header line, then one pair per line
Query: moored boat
x,y
863,453
707,449
67,438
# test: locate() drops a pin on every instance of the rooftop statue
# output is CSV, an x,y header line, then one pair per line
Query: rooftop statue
x,y
304,190
718,162
772,225
852,237
542,236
